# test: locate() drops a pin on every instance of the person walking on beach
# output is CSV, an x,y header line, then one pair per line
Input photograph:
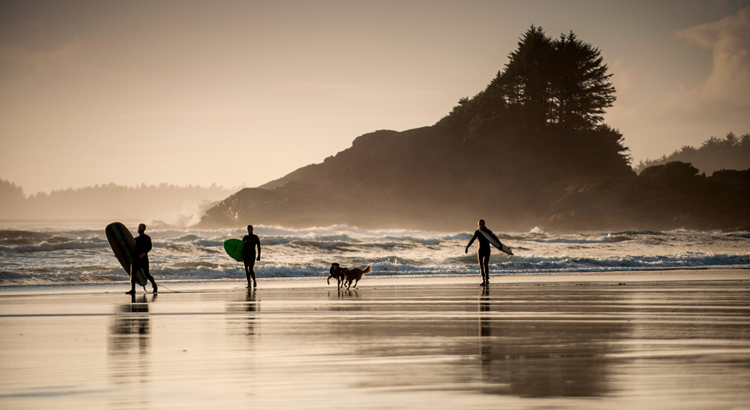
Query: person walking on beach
x,y
248,255
142,248
483,253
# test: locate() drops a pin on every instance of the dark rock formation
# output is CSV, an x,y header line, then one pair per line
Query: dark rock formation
x,y
662,197
428,178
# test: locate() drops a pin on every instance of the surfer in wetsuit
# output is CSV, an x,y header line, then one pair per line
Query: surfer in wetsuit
x,y
142,248
248,255
483,253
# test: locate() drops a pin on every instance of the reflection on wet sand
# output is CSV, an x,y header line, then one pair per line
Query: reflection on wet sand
x,y
542,357
524,345
129,341
244,324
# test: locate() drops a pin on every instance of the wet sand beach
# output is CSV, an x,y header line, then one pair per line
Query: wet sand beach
x,y
651,340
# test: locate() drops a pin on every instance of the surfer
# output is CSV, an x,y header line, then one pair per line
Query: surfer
x,y
483,253
142,248
248,255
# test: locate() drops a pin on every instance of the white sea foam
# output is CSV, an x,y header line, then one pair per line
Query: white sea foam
x,y
76,253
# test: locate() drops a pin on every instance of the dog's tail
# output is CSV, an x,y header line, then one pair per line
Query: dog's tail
x,y
367,269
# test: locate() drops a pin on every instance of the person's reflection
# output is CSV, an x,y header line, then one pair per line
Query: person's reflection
x,y
485,333
250,305
484,306
524,350
129,339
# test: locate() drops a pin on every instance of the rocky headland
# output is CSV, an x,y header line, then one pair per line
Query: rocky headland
x,y
530,150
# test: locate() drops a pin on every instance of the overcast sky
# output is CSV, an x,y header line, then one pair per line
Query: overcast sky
x,y
244,92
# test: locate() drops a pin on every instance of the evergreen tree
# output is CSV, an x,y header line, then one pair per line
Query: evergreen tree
x,y
580,84
561,82
547,103
526,81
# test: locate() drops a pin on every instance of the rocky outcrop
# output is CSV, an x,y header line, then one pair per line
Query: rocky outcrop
x,y
662,197
430,179
529,150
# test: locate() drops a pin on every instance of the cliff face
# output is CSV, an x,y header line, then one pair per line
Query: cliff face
x,y
430,178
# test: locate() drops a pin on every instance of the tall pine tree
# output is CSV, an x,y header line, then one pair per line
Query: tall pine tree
x,y
580,87
561,82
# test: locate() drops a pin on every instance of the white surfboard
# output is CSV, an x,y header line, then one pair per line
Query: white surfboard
x,y
496,243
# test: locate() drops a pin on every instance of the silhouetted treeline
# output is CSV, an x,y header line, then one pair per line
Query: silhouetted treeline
x,y
12,199
175,204
715,154
546,105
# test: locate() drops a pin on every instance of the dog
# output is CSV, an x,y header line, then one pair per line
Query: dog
x,y
336,272
347,276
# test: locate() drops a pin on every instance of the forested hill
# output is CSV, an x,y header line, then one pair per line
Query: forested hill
x,y
529,150
714,154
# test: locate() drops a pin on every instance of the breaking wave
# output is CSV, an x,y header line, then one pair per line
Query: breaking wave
x,y
84,255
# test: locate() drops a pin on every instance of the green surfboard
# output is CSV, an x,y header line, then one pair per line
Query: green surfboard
x,y
234,248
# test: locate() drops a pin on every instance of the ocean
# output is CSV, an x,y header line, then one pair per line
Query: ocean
x,y
75,252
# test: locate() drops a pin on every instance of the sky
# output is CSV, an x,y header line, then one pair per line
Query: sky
x,y
239,93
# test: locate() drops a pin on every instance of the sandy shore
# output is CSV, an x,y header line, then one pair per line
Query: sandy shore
x,y
647,340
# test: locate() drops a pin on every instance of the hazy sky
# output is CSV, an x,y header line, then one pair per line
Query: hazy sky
x,y
243,92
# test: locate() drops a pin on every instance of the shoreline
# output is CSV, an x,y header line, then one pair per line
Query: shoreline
x,y
308,282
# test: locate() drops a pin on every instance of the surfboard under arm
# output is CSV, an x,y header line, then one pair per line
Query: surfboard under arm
x,y
123,246
234,248
497,243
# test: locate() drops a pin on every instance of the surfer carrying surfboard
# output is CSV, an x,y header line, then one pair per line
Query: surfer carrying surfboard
x,y
485,238
142,248
248,255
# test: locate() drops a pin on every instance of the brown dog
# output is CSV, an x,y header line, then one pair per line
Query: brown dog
x,y
347,276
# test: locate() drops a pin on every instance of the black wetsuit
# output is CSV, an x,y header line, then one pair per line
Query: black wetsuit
x,y
142,245
483,253
248,255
